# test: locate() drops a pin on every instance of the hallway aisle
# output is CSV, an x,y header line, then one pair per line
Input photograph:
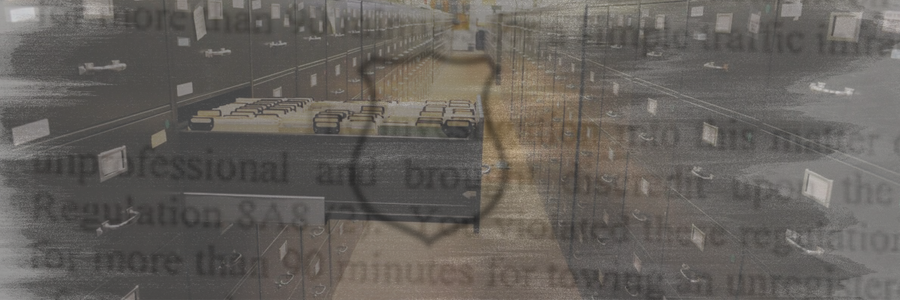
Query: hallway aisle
x,y
515,256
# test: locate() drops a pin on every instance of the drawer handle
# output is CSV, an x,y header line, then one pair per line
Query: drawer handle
x,y
570,86
281,279
696,171
627,290
313,38
611,114
276,44
338,35
338,91
354,80
485,171
319,293
638,215
608,178
690,275
645,137
712,65
105,226
379,67
354,32
342,249
220,52
231,264
321,231
89,68
790,235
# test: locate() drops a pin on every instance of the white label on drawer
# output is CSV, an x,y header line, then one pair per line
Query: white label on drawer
x,y
337,70
282,251
753,25
354,61
98,9
276,11
379,52
592,76
302,29
237,3
158,138
216,9
660,22
287,22
312,80
256,4
723,22
312,12
369,56
321,26
276,92
181,5
259,23
573,68
615,88
895,54
199,22
891,22
697,11
645,12
300,6
184,89
792,10
184,42
112,162
25,133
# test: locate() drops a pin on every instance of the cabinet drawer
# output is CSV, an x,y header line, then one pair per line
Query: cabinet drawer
x,y
209,48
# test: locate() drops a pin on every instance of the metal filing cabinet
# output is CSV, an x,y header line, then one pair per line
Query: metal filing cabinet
x,y
310,31
317,281
208,48
273,48
66,62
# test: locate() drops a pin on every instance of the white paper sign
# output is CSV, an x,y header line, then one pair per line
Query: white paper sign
x,y
276,11
660,22
645,187
215,9
256,4
723,22
287,22
845,26
181,5
98,9
645,12
184,89
710,134
199,22
312,80
25,133
651,106
791,10
753,26
237,3
697,11
158,138
891,22
184,42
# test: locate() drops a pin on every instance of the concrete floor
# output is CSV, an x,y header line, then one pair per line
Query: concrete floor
x,y
515,256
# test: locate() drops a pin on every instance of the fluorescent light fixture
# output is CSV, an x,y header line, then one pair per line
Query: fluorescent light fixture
x,y
112,162
817,187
